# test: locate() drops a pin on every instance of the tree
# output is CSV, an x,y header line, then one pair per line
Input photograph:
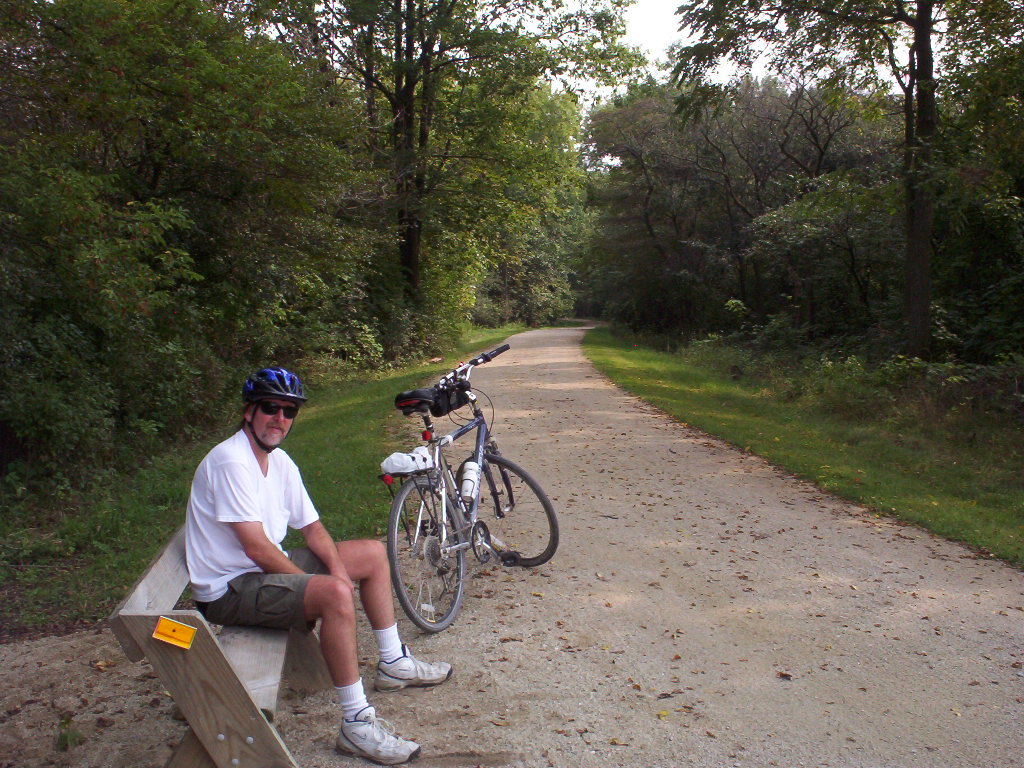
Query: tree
x,y
848,40
679,198
423,70
167,191
980,257
830,255
527,211
656,272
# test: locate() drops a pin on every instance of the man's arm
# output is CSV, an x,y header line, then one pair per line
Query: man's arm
x,y
261,550
321,544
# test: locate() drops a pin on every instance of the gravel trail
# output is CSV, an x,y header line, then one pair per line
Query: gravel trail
x,y
704,609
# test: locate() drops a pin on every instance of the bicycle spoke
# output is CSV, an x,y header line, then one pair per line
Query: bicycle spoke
x,y
426,574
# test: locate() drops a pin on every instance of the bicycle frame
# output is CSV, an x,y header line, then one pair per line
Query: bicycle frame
x,y
448,475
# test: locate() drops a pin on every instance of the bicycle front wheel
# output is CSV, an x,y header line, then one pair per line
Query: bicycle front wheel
x,y
428,577
517,512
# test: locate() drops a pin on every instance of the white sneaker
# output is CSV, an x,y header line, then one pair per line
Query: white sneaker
x,y
407,670
374,738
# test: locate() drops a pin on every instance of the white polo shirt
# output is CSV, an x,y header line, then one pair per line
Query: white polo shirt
x,y
229,487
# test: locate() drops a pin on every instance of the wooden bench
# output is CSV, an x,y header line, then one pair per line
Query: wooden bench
x,y
225,684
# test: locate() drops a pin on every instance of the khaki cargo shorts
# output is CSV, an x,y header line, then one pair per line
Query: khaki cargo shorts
x,y
266,599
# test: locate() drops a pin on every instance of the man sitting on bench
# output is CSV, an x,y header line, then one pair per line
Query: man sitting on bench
x,y
245,495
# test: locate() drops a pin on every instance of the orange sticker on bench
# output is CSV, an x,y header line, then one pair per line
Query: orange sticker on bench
x,y
174,632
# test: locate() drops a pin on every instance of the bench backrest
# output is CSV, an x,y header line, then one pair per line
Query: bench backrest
x,y
157,591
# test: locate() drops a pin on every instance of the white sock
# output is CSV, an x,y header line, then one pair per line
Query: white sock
x,y
352,699
389,642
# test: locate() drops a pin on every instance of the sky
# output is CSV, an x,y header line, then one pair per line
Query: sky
x,y
653,26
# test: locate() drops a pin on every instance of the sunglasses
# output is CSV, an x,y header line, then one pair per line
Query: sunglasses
x,y
271,409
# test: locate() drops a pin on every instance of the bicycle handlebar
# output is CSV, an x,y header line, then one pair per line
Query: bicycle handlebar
x,y
464,368
486,357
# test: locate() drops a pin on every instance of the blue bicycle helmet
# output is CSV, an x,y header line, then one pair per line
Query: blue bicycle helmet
x,y
273,384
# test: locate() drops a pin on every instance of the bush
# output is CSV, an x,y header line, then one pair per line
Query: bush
x,y
845,387
166,228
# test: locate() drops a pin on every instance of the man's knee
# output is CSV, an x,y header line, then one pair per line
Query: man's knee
x,y
363,557
376,552
332,595
340,591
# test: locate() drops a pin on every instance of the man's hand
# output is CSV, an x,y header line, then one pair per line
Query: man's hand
x,y
321,544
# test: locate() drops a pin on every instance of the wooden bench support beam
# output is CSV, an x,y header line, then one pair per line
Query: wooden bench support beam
x,y
257,654
304,665
190,753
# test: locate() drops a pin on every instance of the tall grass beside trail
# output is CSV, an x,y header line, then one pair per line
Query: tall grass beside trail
x,y
65,567
953,471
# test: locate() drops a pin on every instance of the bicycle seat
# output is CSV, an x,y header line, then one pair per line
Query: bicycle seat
x,y
415,401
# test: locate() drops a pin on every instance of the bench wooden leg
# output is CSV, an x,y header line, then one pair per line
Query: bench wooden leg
x,y
190,753
304,665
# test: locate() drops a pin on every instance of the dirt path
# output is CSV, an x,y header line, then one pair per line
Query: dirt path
x,y
703,610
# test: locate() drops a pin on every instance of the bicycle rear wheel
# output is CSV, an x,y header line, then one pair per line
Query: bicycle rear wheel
x,y
428,578
517,513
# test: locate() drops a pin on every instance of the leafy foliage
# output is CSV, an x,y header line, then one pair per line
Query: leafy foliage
x,y
184,197
164,197
748,203
452,96
827,215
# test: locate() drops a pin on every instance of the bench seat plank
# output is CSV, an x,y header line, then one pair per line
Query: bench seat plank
x,y
157,591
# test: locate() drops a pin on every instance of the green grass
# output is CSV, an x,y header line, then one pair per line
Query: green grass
x,y
78,564
959,479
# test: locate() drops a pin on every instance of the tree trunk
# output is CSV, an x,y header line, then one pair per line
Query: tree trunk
x,y
920,192
410,226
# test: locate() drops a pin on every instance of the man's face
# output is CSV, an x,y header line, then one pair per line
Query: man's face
x,y
271,428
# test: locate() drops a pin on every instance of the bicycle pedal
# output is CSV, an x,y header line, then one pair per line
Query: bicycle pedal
x,y
509,559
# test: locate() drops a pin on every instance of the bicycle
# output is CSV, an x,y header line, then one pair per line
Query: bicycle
x,y
488,505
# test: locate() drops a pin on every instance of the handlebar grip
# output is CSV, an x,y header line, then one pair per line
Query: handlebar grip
x,y
483,357
488,356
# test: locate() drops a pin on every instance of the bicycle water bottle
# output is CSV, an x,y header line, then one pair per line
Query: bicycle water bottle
x,y
470,481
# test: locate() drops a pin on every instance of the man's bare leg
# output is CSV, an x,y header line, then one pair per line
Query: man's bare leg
x,y
330,599
366,561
